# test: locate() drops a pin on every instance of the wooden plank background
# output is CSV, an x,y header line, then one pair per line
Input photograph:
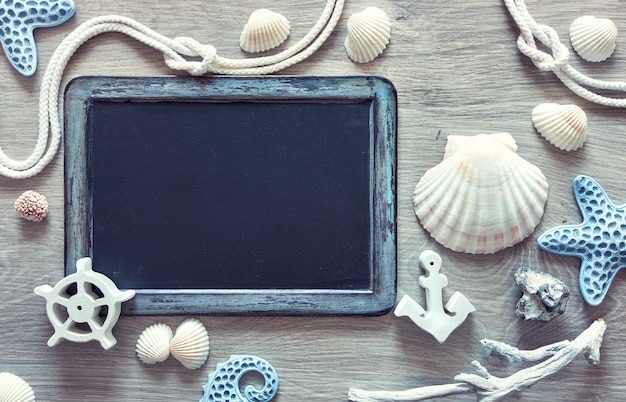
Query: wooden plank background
x,y
457,71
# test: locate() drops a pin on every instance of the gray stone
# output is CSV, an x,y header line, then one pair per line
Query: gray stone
x,y
544,296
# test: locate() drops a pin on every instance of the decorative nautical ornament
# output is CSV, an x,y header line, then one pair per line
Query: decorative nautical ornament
x,y
599,241
224,382
434,319
14,389
18,21
265,30
74,305
482,197
564,126
190,344
593,38
368,34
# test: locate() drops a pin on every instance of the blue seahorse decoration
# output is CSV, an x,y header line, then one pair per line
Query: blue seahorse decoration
x,y
223,384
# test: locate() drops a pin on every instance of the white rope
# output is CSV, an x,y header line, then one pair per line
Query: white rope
x,y
558,61
182,54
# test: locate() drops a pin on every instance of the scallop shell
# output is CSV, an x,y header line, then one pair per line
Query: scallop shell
x,y
153,345
564,126
482,197
190,344
264,30
593,38
368,34
14,389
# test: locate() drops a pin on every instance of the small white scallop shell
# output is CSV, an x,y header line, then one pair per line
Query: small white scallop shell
x,y
190,344
368,34
153,345
14,389
264,30
482,197
593,38
564,126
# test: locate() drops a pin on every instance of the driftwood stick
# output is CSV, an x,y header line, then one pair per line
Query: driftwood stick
x,y
514,355
491,388
416,394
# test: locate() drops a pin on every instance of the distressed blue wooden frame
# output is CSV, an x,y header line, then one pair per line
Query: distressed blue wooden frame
x,y
377,299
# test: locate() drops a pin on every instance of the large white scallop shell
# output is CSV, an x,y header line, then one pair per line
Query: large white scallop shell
x,y
482,197
368,34
564,126
593,38
153,345
190,344
14,389
264,30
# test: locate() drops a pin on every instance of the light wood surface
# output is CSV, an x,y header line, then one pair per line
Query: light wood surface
x,y
457,71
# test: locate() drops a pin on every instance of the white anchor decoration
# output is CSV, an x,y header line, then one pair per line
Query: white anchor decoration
x,y
435,320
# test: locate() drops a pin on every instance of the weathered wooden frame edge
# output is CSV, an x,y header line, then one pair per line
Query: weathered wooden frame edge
x,y
377,300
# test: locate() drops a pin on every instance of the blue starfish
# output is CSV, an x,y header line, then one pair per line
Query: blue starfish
x,y
599,241
18,19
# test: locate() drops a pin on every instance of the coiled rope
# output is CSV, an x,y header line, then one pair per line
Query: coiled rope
x,y
182,54
558,61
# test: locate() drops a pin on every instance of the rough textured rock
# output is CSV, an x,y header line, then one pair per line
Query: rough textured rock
x,y
544,296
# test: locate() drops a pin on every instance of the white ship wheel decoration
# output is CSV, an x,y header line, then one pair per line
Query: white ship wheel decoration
x,y
87,313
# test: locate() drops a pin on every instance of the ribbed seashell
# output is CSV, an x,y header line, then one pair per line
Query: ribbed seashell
x,y
190,344
264,30
368,34
482,197
593,38
14,389
564,126
153,345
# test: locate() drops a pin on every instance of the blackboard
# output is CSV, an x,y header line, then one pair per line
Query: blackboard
x,y
235,194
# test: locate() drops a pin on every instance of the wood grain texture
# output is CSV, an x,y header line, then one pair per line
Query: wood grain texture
x,y
457,71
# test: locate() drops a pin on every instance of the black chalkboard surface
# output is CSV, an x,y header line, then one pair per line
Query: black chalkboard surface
x,y
235,195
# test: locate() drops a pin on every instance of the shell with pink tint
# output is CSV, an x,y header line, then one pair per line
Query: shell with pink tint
x,y
564,126
482,197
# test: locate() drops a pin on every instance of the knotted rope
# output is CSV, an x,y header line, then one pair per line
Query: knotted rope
x,y
558,60
182,54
